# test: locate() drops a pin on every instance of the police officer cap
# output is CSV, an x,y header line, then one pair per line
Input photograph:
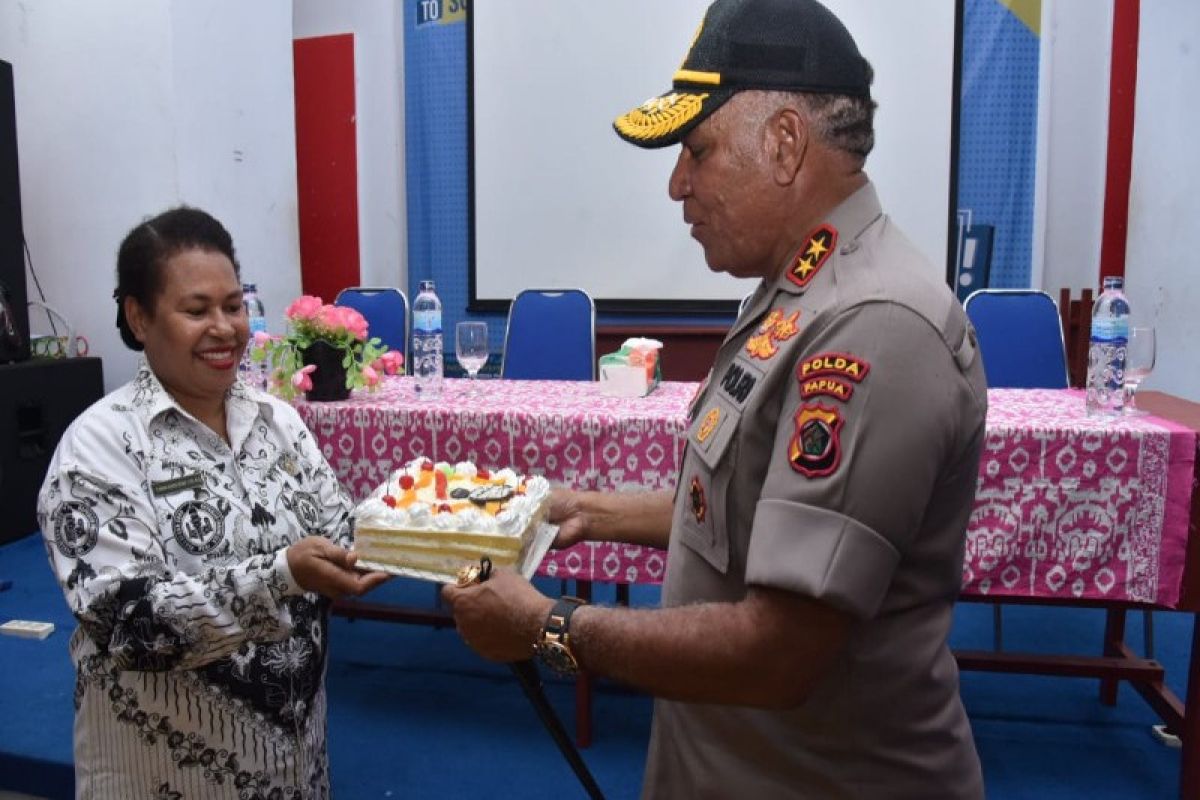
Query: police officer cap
x,y
790,45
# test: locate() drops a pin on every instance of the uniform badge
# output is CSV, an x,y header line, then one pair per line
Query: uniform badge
x,y
775,328
708,424
699,503
813,255
828,387
198,527
76,528
815,449
839,365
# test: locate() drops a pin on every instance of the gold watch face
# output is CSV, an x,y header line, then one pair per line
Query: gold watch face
x,y
557,656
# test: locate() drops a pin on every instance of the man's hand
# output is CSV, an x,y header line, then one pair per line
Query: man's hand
x,y
499,619
566,511
319,565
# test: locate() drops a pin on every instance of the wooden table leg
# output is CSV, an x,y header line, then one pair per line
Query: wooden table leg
x,y
1189,733
1114,638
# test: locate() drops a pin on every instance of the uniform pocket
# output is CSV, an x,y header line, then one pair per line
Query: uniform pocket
x,y
700,505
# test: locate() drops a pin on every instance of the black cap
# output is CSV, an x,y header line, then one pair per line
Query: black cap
x,y
789,45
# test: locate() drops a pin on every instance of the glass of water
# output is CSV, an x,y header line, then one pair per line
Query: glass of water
x,y
471,348
1139,362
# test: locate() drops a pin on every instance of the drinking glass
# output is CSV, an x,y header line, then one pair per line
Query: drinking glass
x,y
1139,361
471,348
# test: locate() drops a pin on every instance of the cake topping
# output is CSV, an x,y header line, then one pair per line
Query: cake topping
x,y
490,494
406,481
460,493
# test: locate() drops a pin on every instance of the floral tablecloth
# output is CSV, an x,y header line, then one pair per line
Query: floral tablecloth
x,y
1068,506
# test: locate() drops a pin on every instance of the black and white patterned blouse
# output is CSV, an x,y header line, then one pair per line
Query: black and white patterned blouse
x,y
199,660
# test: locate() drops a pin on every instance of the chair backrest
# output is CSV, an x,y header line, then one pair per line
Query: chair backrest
x,y
551,334
1020,338
386,311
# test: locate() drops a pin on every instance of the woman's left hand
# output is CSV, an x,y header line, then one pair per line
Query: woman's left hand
x,y
319,565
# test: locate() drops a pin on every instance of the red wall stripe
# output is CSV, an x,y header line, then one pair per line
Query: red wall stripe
x,y
1121,94
326,164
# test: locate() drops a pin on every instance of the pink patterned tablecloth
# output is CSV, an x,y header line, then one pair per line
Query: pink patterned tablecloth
x,y
1076,507
1067,507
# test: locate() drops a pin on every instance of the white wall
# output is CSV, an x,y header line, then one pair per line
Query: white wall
x,y
1163,236
1163,248
125,108
1076,46
378,28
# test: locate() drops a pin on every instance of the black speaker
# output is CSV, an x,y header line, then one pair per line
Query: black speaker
x,y
39,400
12,241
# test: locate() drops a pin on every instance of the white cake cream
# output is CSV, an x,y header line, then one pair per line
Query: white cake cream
x,y
438,518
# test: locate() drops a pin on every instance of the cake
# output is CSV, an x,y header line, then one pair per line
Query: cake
x,y
436,518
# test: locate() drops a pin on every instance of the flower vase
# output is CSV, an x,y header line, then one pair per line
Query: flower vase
x,y
329,377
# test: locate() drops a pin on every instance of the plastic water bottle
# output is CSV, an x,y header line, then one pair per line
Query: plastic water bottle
x,y
1106,353
427,342
253,373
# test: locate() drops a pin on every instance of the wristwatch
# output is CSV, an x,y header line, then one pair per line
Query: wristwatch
x,y
553,646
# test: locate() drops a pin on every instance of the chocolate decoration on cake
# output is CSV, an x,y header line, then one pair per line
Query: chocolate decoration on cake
x,y
491,494
460,493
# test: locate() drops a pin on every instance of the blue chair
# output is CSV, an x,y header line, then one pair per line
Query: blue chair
x,y
386,311
551,335
1020,338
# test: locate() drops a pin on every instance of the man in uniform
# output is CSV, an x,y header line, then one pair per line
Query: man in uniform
x,y
816,533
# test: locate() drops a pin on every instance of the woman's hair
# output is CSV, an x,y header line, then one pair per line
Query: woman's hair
x,y
146,249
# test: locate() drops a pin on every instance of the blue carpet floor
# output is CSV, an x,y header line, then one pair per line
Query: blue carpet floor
x,y
415,714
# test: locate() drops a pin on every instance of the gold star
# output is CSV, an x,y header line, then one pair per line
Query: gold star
x,y
803,267
816,247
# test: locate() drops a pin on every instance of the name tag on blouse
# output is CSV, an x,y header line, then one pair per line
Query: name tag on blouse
x,y
177,485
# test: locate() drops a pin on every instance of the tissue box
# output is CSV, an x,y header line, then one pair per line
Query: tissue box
x,y
632,371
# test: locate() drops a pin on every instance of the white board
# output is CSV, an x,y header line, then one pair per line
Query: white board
x,y
560,201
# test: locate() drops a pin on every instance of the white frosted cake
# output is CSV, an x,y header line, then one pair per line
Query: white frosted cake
x,y
436,518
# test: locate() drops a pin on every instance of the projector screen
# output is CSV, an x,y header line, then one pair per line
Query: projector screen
x,y
558,200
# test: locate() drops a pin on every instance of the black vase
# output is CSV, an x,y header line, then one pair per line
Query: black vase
x,y
329,377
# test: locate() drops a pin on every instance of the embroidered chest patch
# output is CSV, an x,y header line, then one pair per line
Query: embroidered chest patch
x,y
813,255
838,365
776,328
815,449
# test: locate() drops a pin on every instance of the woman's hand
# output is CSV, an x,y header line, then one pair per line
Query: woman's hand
x,y
319,565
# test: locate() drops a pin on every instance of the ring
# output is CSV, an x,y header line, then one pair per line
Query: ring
x,y
467,575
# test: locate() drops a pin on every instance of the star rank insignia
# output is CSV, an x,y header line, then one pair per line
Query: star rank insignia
x,y
815,449
699,503
810,258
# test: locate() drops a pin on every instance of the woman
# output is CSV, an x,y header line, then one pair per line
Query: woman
x,y
197,533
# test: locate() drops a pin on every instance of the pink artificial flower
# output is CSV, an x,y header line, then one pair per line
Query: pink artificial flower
x,y
304,307
390,362
301,379
370,376
261,338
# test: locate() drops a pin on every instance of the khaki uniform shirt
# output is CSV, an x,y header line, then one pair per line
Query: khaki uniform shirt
x,y
833,453
200,661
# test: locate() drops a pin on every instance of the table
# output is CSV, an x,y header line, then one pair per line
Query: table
x,y
1069,509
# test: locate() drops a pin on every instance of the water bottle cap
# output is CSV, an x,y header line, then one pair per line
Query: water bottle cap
x,y
1114,282
249,287
426,286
